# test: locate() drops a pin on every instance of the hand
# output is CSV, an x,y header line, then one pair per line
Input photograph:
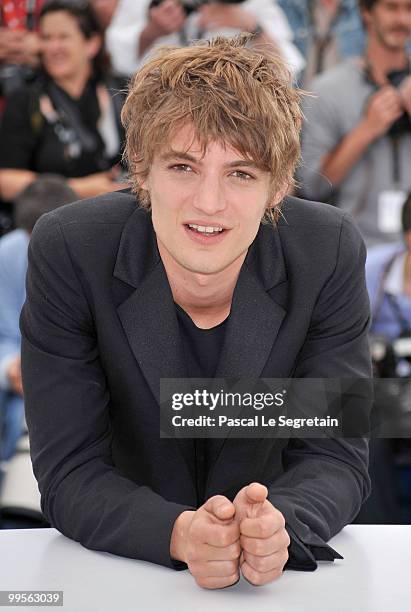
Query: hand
x,y
405,93
384,107
14,375
214,16
208,540
18,47
167,18
30,49
263,537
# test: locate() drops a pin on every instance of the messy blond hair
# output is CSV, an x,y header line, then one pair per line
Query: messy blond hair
x,y
229,93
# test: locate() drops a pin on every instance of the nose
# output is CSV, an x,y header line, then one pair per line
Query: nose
x,y
210,198
51,46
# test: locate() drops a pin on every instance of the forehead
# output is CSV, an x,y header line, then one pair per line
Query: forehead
x,y
60,20
393,4
185,140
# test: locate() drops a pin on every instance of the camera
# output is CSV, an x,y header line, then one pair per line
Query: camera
x,y
403,124
190,6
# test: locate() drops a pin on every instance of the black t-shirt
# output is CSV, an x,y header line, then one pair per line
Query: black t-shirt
x,y
29,142
202,348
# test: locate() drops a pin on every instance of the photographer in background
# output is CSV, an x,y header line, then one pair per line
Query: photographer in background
x,y
139,27
357,135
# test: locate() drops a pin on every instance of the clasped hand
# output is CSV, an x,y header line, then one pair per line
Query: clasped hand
x,y
222,538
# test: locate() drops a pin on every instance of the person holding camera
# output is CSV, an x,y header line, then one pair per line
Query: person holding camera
x,y
357,137
139,27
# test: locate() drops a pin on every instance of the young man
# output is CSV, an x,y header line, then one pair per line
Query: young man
x,y
357,135
185,281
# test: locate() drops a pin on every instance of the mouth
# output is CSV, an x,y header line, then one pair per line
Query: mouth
x,y
205,233
400,31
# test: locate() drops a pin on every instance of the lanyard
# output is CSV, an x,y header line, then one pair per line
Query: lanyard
x,y
322,40
396,167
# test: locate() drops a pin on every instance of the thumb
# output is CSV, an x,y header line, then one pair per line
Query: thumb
x,y
256,493
220,507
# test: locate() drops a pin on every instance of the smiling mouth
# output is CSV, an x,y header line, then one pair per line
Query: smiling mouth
x,y
205,230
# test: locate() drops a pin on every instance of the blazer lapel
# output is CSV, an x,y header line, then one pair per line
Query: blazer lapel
x,y
148,314
255,318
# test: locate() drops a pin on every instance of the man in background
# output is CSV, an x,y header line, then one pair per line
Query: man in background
x,y
356,143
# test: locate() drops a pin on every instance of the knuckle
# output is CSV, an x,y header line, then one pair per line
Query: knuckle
x,y
235,550
287,539
224,537
232,567
217,498
284,558
255,578
258,563
281,519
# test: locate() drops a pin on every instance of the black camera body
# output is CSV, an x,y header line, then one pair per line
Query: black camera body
x,y
190,6
403,124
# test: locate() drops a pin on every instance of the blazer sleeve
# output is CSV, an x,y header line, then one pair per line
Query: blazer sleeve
x,y
325,481
67,401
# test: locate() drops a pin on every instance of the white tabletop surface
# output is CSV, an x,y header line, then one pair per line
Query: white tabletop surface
x,y
375,576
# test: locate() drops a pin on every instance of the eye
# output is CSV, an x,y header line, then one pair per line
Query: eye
x,y
243,176
181,168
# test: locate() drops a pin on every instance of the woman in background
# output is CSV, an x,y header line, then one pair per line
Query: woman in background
x,y
67,121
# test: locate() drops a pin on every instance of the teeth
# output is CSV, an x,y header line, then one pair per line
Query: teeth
x,y
206,229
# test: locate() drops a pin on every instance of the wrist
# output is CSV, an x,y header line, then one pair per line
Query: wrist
x,y
179,536
366,132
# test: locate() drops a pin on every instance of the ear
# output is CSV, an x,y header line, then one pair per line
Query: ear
x,y
94,45
278,196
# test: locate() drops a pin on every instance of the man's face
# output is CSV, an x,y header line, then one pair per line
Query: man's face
x,y
390,22
206,210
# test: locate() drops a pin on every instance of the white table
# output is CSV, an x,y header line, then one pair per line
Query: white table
x,y
375,576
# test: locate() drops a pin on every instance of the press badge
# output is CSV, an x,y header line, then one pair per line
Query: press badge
x,y
389,210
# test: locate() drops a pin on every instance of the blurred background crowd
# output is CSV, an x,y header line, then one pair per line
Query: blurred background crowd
x,y
64,68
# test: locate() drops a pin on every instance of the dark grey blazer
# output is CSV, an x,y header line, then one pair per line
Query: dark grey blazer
x,y
100,330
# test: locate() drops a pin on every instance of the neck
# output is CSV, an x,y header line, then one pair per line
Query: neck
x,y
383,60
74,85
205,297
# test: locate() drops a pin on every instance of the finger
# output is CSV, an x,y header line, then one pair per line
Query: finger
x,y
214,569
220,507
259,578
267,563
267,546
256,493
218,583
262,526
221,535
222,553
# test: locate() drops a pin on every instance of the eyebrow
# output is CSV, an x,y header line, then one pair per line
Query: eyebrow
x,y
170,155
